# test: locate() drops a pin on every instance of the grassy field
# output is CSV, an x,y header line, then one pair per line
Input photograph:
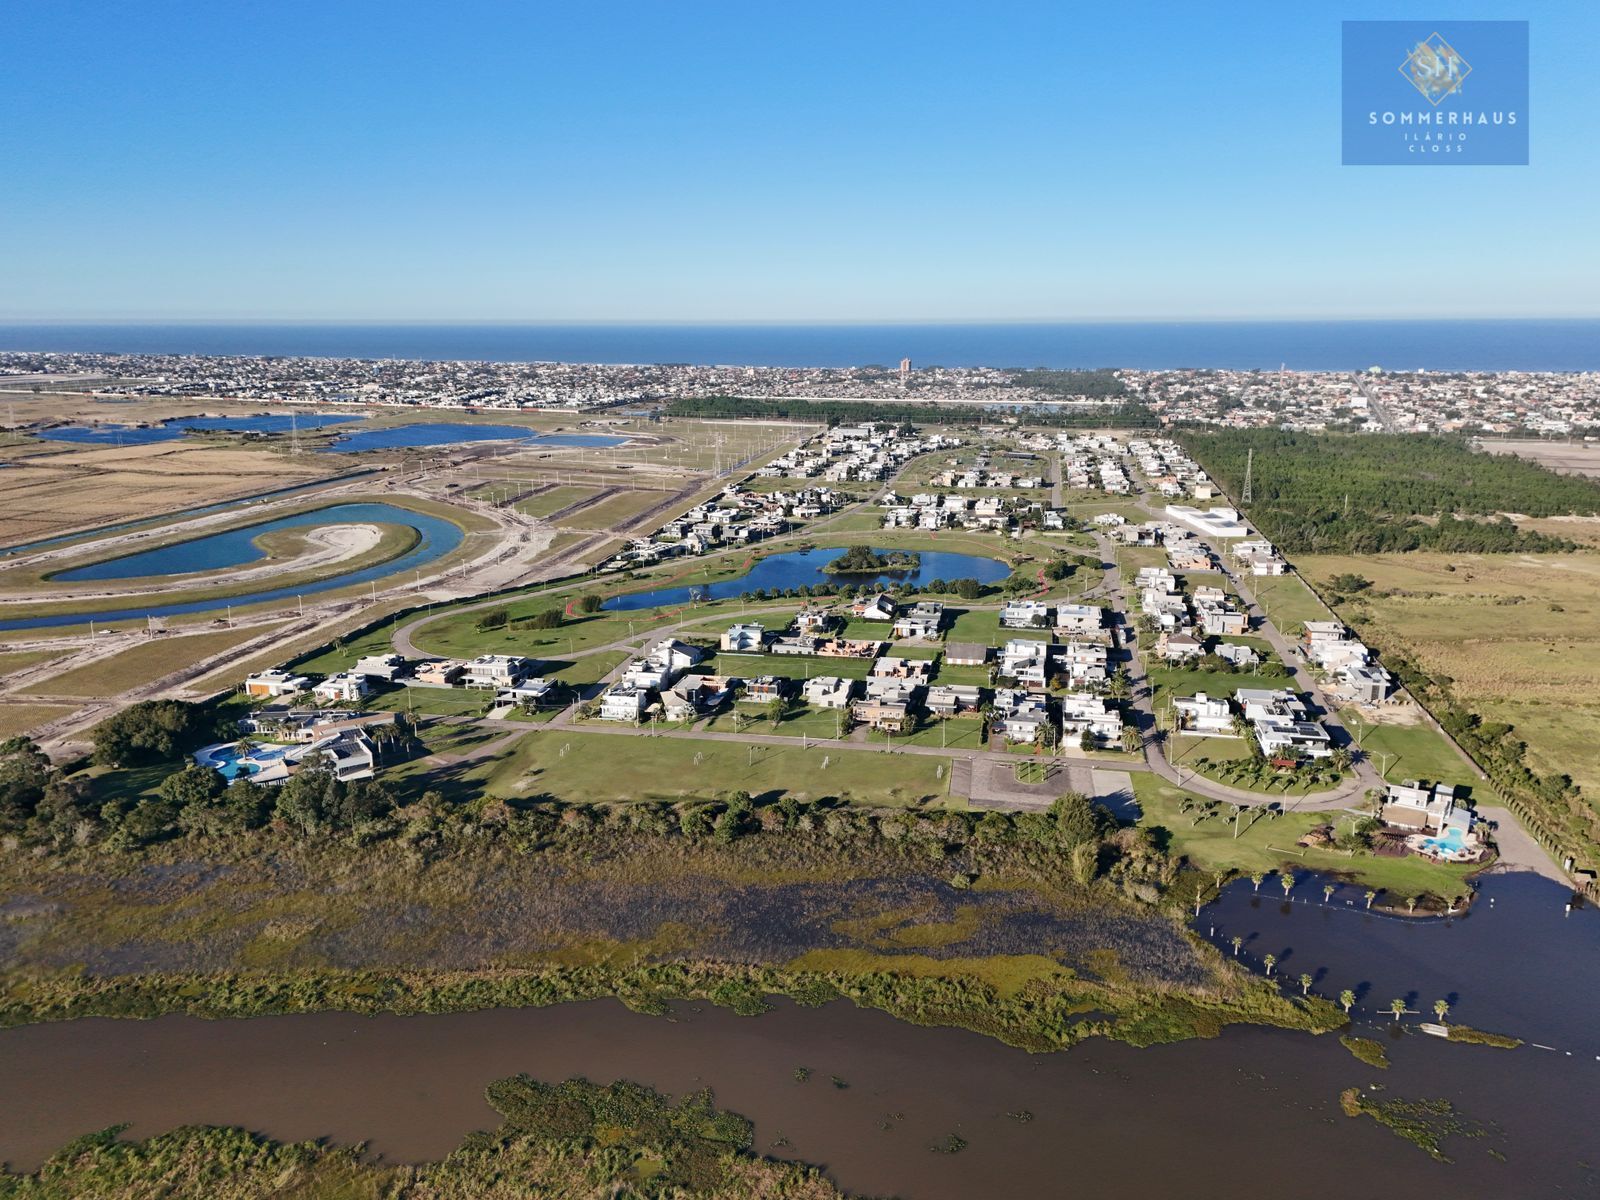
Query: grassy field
x,y
1519,636
1288,602
19,659
17,719
1268,844
144,663
1403,752
601,767
555,499
614,511
80,487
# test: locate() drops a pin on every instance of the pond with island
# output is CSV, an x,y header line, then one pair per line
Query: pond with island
x,y
807,568
436,537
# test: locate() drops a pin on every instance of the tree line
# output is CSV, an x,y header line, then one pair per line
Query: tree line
x,y
1328,493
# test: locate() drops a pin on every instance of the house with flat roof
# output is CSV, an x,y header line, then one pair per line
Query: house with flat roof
x,y
496,670
886,715
829,691
381,666
344,687
1082,712
275,682
1416,807
1201,715
624,703
1025,614
954,699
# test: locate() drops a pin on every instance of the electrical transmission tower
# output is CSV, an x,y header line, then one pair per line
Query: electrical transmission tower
x,y
1249,470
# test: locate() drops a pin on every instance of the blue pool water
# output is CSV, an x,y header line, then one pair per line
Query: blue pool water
x,y
444,433
1449,842
234,547
800,567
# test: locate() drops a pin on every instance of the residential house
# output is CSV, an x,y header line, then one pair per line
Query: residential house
x,y
1026,661
1200,715
624,703
496,671
693,696
439,672
1082,712
1418,808
1025,614
747,638
764,689
1078,620
829,691
889,716
275,682
381,666
967,654
950,700
1178,647
345,687
881,607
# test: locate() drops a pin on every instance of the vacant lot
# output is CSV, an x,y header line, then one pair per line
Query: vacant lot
x,y
144,663
1566,458
1518,634
608,767
45,494
17,719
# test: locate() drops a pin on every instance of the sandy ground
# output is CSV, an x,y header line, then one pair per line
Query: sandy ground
x,y
1562,457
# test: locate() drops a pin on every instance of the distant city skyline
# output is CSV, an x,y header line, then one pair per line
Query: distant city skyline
x,y
724,163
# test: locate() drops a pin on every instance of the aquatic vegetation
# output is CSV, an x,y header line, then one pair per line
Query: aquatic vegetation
x,y
1424,1123
568,1139
1482,1037
1366,1050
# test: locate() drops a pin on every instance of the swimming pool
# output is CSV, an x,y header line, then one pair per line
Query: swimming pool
x,y
1451,842
225,758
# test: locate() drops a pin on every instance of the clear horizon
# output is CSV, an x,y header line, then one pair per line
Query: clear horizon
x,y
718,164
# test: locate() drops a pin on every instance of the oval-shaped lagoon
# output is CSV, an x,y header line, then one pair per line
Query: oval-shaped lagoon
x,y
798,568
436,538
399,437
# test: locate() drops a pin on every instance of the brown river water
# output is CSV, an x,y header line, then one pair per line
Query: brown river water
x,y
1255,1110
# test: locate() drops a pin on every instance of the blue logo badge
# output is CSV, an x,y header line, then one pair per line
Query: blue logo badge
x,y
1435,93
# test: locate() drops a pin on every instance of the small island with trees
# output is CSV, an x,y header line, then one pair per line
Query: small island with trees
x,y
863,560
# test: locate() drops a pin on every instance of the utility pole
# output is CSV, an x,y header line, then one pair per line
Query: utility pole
x,y
1249,471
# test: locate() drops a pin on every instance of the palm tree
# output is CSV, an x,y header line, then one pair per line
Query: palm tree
x,y
1411,904
1287,881
1257,877
1305,984
1440,1008
1237,942
1371,896
1348,999
1398,1008
1271,960
1327,893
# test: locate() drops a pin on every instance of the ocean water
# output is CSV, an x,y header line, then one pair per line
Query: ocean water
x,y
1445,345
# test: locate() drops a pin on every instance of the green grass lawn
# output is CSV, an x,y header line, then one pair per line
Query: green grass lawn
x,y
1417,751
145,662
556,498
803,721
1268,844
975,625
1288,602
601,767
959,734
1186,754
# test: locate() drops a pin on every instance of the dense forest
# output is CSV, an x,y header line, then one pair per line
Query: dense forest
x,y
1121,416
1099,383
1368,493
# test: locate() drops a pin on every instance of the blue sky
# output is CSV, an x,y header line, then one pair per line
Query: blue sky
x,y
698,161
